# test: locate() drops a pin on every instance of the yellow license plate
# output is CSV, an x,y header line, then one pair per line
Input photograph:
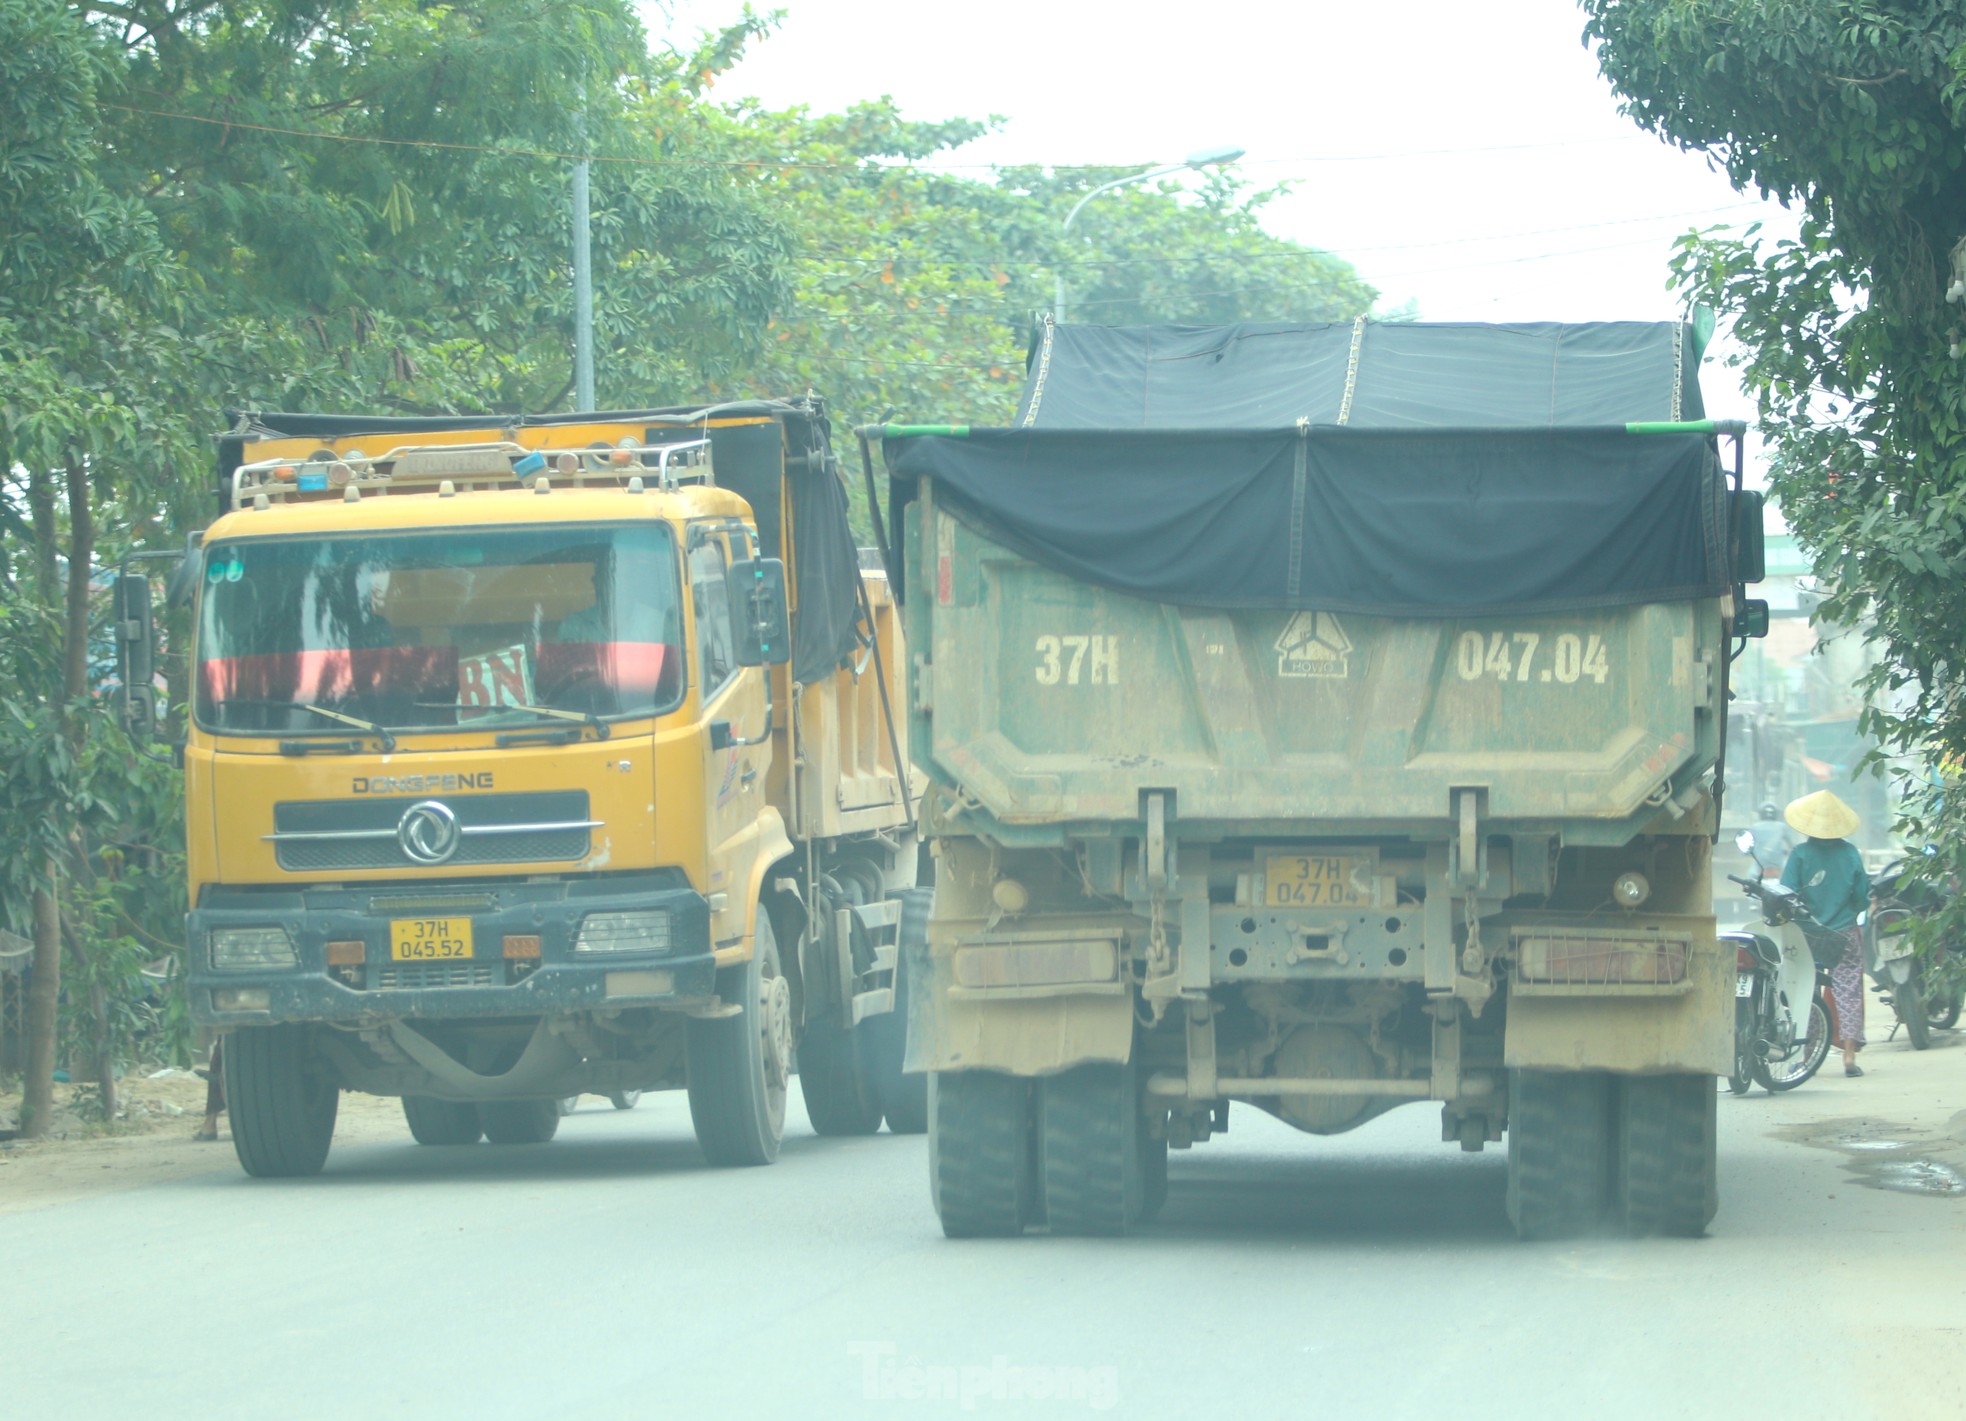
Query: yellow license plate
x,y
429,939
1319,881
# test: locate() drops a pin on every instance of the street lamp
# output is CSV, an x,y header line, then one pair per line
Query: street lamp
x,y
1201,158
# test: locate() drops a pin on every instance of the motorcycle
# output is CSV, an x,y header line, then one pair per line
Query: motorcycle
x,y
1922,991
1781,1006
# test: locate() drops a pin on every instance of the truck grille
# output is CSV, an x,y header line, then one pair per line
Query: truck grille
x,y
338,835
421,976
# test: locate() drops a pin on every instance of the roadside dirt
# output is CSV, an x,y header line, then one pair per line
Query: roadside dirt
x,y
149,1142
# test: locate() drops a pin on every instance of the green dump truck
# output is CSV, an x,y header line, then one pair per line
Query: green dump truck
x,y
1326,718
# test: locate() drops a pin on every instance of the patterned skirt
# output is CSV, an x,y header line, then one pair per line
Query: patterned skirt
x,y
1846,992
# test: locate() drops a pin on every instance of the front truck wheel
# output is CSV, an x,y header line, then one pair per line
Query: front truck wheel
x,y
980,1162
1099,1161
739,1066
282,1099
1559,1152
520,1122
441,1122
1667,1180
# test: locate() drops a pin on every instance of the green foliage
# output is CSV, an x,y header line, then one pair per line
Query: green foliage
x,y
1854,112
362,206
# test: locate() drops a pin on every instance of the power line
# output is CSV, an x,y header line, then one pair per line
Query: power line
x,y
863,165
1300,254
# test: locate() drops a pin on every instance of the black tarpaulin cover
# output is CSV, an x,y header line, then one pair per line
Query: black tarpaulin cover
x,y
750,459
1491,471
1365,375
1394,524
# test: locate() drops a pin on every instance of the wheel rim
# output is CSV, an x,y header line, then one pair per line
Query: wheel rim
x,y
775,1036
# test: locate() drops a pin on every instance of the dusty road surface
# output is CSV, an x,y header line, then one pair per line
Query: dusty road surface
x,y
610,1274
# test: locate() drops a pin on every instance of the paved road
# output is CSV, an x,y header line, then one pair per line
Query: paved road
x,y
610,1274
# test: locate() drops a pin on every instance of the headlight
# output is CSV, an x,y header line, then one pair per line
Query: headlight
x,y
624,932
242,949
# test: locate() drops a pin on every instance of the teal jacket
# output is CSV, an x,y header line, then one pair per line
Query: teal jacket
x,y
1829,874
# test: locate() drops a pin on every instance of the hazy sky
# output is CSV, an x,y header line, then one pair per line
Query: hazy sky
x,y
1463,155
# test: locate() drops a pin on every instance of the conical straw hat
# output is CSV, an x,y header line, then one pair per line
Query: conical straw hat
x,y
1821,816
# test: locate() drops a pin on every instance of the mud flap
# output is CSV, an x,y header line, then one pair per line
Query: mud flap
x,y
1023,1035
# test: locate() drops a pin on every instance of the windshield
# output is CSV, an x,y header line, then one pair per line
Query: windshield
x,y
421,631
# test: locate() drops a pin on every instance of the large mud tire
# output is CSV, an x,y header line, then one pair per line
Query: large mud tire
x,y
740,1066
1559,1181
441,1122
903,1095
835,1081
282,1099
1094,1150
1666,1159
980,1160
520,1122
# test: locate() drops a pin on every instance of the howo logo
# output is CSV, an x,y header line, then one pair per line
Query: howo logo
x,y
428,831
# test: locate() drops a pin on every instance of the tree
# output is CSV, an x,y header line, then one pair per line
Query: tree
x,y
331,204
1854,113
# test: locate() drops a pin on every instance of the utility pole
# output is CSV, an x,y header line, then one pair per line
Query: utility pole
x,y
583,278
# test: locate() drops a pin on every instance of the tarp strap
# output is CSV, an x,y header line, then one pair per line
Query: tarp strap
x,y
1299,489
1351,371
1678,367
1044,368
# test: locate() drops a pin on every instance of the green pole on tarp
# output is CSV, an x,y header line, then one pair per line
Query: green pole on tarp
x,y
1735,427
911,431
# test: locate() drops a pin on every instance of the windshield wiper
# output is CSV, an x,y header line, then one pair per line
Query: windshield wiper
x,y
380,732
586,718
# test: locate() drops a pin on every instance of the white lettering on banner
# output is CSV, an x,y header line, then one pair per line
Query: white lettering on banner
x,y
1078,660
1512,656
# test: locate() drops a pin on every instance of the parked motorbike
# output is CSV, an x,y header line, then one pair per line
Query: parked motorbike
x,y
1781,1007
1922,992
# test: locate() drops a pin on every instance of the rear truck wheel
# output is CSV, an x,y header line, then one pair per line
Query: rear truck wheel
x,y
1093,1150
1665,1151
904,1095
282,1100
980,1161
1807,1058
835,1080
1559,1183
623,1099
739,1066
1908,1001
441,1122
520,1122
1153,1173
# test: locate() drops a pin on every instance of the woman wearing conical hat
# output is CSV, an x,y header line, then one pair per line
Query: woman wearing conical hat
x,y
1828,872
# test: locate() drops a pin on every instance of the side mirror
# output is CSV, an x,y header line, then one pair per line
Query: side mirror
x,y
1750,616
1744,841
136,655
1750,546
759,619
721,737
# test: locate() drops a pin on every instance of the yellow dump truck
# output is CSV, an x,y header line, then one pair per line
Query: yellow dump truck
x,y
527,758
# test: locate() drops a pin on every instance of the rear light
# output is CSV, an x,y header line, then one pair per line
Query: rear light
x,y
1743,960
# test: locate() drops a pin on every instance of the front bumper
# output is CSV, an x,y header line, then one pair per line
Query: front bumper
x,y
487,984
